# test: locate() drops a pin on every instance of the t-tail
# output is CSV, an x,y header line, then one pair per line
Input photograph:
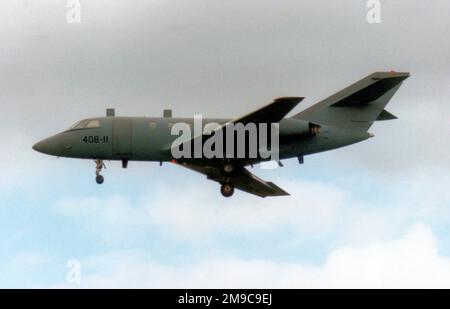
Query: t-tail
x,y
359,105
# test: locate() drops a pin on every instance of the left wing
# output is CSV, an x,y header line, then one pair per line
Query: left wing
x,y
242,180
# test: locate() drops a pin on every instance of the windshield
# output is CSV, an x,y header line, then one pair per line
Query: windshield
x,y
86,124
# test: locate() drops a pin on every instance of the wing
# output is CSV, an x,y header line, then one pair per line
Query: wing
x,y
242,180
271,113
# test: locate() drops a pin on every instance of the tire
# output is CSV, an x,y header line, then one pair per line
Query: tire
x,y
99,179
227,189
228,168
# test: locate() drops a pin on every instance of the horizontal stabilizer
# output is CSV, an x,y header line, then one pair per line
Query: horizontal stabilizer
x,y
385,115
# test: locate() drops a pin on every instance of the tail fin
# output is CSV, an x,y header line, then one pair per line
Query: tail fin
x,y
359,105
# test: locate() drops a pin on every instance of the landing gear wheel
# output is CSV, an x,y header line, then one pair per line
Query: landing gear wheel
x,y
228,168
99,165
227,189
99,179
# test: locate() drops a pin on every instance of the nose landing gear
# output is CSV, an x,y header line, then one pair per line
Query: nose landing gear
x,y
99,165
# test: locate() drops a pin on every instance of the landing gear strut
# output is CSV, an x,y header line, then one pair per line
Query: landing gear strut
x,y
227,189
99,165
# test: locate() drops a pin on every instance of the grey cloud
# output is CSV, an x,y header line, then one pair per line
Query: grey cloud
x,y
219,58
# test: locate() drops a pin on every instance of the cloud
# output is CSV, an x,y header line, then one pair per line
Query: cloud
x,y
411,261
19,163
218,60
196,215
29,260
112,218
225,60
21,268
312,207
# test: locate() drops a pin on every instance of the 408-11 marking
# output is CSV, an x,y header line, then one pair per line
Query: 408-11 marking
x,y
94,139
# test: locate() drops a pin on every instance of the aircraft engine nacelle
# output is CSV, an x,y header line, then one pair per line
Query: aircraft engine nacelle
x,y
298,128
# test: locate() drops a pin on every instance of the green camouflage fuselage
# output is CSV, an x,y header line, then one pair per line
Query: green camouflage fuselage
x,y
150,139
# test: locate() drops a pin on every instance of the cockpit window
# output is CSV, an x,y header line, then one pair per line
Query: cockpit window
x,y
93,124
79,125
86,124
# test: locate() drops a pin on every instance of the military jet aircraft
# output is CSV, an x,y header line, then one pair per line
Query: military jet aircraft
x,y
340,120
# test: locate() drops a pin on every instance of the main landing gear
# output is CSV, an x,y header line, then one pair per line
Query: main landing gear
x,y
228,168
99,165
227,189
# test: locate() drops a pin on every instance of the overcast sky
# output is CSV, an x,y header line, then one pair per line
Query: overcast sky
x,y
372,214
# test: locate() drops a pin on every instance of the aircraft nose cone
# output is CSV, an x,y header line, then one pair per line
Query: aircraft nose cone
x,y
50,146
41,146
